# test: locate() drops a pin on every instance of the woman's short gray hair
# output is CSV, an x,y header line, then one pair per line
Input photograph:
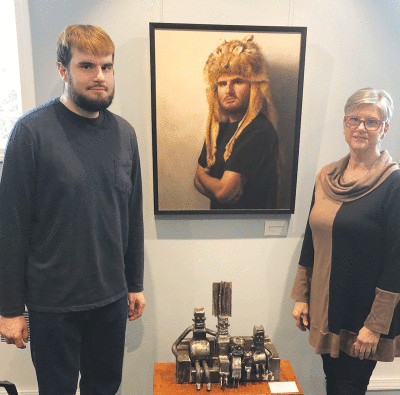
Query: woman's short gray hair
x,y
371,96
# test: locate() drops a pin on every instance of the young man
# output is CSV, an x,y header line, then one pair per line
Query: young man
x,y
71,226
238,166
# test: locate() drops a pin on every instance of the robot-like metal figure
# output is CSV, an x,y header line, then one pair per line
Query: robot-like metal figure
x,y
225,359
199,346
237,353
259,354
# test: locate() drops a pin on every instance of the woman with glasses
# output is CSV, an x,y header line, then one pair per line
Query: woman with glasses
x,y
347,285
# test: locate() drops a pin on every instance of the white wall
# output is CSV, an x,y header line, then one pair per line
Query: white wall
x,y
351,44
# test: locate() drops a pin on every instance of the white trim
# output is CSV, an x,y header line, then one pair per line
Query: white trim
x,y
374,385
391,384
25,392
25,56
384,384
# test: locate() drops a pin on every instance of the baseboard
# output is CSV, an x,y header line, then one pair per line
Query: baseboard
x,y
388,384
26,392
384,384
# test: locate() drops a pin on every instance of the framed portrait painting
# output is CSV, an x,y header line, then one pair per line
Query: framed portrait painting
x,y
226,116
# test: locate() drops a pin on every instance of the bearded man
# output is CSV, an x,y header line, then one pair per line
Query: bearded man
x,y
238,166
71,226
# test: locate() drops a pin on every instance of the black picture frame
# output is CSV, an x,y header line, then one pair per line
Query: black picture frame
x,y
178,53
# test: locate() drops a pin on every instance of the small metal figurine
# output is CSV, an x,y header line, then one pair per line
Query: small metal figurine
x,y
199,346
223,349
222,308
225,359
237,352
259,356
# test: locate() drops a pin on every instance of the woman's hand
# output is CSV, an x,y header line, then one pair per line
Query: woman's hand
x,y
366,343
300,314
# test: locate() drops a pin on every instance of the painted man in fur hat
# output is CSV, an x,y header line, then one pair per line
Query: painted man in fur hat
x,y
238,166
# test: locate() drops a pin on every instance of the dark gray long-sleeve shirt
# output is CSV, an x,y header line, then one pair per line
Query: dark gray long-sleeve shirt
x,y
71,222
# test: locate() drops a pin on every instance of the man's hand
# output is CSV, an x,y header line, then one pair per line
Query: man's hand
x,y
136,305
14,330
300,314
366,343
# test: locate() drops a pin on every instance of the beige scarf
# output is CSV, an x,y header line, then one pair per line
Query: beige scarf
x,y
336,190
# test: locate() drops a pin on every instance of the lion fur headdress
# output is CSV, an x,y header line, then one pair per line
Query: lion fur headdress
x,y
244,58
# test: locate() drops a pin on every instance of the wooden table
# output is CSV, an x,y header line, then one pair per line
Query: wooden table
x,y
165,383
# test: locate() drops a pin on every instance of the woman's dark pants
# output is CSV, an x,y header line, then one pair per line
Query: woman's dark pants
x,y
347,375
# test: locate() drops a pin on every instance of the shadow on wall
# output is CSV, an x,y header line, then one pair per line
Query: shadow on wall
x,y
317,87
141,344
292,344
282,79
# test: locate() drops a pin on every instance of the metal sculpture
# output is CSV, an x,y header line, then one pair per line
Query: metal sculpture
x,y
222,358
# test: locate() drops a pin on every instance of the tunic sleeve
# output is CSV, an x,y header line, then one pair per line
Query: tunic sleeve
x,y
387,292
302,282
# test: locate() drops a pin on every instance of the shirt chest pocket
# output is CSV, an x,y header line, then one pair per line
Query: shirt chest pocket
x,y
122,174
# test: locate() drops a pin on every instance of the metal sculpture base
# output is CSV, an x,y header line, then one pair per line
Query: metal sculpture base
x,y
186,371
216,357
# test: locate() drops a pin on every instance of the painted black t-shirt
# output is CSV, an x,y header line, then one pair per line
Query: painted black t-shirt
x,y
255,156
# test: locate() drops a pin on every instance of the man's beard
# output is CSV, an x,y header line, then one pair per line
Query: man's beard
x,y
236,111
86,103
239,110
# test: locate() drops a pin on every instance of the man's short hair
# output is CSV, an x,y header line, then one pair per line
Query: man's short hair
x,y
378,97
85,38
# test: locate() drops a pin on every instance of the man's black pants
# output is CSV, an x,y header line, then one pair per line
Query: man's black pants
x,y
90,342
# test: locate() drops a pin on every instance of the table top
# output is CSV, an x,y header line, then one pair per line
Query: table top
x,y
165,383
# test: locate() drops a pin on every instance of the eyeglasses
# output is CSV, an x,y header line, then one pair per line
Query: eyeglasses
x,y
371,124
